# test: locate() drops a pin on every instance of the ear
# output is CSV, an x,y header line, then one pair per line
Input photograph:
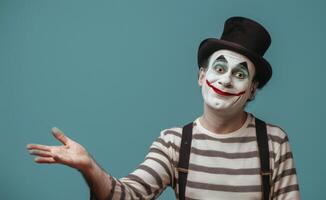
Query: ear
x,y
201,76
253,89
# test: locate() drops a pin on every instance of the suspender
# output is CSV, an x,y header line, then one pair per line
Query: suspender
x,y
262,140
265,172
184,154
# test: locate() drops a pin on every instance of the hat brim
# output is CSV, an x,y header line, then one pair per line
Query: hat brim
x,y
208,46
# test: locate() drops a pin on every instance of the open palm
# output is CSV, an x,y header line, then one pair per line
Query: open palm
x,y
70,153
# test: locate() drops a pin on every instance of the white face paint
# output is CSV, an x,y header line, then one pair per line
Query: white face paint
x,y
227,83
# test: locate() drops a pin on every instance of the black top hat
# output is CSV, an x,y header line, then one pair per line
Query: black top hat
x,y
243,36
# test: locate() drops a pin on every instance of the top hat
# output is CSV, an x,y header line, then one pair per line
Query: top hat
x,y
243,36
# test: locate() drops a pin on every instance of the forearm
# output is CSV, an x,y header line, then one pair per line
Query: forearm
x,y
98,180
146,182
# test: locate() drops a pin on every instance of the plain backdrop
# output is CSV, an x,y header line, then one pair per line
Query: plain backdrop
x,y
112,74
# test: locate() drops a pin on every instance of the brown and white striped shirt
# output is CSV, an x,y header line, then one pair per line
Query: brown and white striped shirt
x,y
221,166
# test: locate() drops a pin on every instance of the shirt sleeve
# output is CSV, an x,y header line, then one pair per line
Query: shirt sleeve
x,y
151,177
284,180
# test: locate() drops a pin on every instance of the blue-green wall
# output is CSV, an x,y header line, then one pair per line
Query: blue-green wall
x,y
112,74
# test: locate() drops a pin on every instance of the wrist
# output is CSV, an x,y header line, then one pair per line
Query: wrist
x,y
89,167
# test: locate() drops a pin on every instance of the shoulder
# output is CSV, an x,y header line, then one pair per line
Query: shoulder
x,y
277,136
169,138
171,133
276,133
168,144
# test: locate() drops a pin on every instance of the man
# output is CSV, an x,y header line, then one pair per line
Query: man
x,y
225,161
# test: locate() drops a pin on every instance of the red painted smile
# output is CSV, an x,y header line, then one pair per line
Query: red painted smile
x,y
220,92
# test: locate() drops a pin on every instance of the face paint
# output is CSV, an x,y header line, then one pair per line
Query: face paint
x,y
228,80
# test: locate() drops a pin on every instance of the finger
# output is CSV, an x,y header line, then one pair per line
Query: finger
x,y
38,147
60,135
40,153
44,160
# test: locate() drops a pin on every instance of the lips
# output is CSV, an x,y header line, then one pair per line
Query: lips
x,y
220,92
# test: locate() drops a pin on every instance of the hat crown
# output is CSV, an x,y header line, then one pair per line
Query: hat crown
x,y
244,36
247,33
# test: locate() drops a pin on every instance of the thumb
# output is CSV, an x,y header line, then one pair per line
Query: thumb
x,y
60,135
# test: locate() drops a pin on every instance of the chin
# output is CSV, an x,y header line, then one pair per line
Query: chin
x,y
217,106
222,107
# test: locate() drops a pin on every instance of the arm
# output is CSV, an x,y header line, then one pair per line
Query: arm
x,y
151,177
146,182
285,181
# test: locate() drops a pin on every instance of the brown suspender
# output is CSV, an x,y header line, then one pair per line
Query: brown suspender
x,y
262,141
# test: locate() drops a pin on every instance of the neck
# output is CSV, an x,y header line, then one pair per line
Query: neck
x,y
222,122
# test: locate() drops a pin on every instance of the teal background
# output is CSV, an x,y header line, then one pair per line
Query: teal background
x,y
113,74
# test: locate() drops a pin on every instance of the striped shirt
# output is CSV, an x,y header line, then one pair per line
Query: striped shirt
x,y
221,166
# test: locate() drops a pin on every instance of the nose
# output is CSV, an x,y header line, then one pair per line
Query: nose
x,y
225,81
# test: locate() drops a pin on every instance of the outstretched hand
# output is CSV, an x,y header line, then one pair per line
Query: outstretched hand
x,y
70,153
